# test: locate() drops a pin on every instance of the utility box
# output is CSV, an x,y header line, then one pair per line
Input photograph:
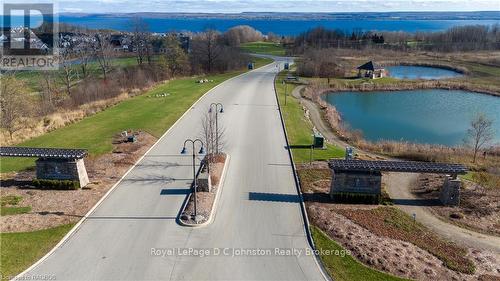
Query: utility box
x,y
287,66
250,65
349,153
318,140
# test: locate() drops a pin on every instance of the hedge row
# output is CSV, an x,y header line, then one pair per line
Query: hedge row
x,y
56,184
350,197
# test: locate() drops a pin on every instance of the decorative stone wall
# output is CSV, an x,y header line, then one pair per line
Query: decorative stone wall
x,y
356,182
204,182
450,192
62,169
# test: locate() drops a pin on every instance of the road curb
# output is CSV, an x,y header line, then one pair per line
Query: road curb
x,y
303,210
82,220
214,206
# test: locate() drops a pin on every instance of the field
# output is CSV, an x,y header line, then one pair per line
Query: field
x,y
20,250
266,48
300,129
145,112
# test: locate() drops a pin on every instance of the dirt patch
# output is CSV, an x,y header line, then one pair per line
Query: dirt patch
x,y
51,208
479,207
205,200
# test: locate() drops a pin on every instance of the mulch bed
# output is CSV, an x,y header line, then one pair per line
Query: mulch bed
x,y
51,208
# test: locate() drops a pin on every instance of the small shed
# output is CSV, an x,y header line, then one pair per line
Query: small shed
x,y
371,70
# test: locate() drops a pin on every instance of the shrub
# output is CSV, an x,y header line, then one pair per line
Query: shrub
x,y
56,184
349,197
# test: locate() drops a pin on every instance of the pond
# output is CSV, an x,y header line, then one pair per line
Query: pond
x,y
422,116
421,72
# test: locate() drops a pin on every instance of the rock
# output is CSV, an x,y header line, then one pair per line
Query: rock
x,y
428,271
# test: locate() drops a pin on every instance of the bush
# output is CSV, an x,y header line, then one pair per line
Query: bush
x,y
56,184
349,197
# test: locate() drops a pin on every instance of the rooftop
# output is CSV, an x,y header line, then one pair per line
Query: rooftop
x,y
397,166
59,153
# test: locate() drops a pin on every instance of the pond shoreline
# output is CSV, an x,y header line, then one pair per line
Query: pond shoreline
x,y
399,149
406,85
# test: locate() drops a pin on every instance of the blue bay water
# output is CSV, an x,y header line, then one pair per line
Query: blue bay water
x,y
281,27
422,116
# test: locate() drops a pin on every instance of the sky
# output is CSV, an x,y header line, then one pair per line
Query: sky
x,y
237,6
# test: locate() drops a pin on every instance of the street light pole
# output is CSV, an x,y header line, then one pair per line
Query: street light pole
x,y
217,111
194,166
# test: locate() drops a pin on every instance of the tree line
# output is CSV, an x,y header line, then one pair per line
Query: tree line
x,y
89,69
458,38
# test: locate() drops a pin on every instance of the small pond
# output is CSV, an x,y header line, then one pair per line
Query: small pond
x,y
423,116
421,72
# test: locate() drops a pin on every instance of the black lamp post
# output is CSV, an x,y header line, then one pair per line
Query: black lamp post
x,y
184,151
217,111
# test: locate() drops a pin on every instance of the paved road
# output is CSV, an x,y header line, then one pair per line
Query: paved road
x,y
115,242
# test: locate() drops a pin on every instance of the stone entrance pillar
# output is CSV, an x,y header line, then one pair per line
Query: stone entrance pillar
x,y
450,192
62,169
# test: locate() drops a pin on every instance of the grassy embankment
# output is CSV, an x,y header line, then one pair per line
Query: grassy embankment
x,y
345,268
299,128
144,112
267,48
20,250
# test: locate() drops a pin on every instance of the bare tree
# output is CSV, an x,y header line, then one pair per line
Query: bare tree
x,y
12,102
141,39
480,133
206,49
103,51
212,136
84,53
68,73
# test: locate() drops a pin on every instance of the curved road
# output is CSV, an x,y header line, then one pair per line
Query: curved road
x,y
258,206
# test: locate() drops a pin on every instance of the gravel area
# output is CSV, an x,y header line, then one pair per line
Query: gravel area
x,y
51,208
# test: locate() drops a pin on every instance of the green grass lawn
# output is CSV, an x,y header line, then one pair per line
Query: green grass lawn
x,y
9,206
267,48
299,129
346,267
20,250
151,114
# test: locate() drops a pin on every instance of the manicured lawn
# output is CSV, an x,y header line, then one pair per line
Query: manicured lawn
x,y
268,48
344,267
299,129
145,112
20,250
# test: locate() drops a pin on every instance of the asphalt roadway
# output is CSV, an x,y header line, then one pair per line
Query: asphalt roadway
x,y
133,234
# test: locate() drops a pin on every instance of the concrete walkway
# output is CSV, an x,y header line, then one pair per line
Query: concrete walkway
x,y
399,189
